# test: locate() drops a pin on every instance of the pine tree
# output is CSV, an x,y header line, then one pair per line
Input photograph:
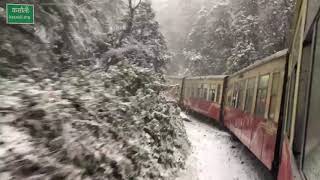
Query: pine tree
x,y
145,33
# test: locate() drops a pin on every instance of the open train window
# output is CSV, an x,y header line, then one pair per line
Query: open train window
x,y
262,96
249,95
205,93
312,144
274,95
209,93
213,95
218,93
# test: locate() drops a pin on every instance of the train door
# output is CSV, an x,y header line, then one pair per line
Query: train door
x,y
311,161
287,161
294,70
299,131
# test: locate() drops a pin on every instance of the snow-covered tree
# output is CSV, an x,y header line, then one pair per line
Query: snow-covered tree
x,y
146,31
231,36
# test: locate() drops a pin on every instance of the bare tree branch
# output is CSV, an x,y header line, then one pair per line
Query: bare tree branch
x,y
137,5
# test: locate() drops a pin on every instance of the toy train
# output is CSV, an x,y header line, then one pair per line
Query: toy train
x,y
272,106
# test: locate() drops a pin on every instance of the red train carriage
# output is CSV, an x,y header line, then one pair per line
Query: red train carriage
x,y
273,105
300,150
252,105
204,94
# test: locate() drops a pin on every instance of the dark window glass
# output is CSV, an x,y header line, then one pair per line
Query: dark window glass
x,y
262,96
249,95
312,147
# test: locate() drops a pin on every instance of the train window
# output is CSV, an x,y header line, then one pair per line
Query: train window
x,y
192,92
218,93
312,144
262,96
201,91
213,96
205,93
235,95
240,95
229,99
209,93
249,95
274,95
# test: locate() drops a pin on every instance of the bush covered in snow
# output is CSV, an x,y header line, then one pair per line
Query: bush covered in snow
x,y
90,125
83,99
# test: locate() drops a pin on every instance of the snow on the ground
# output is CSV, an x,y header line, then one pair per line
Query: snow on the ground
x,y
216,156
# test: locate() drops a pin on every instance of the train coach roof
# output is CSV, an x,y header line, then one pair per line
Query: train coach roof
x,y
173,77
263,61
208,77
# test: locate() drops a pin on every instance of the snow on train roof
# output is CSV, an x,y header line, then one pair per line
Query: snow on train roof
x,y
208,77
263,61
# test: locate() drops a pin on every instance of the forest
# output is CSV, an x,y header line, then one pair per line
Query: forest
x,y
210,37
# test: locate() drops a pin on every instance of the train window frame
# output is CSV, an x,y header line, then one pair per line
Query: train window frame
x,y
274,96
290,100
264,89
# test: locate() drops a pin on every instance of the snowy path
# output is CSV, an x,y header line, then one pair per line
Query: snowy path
x,y
215,156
